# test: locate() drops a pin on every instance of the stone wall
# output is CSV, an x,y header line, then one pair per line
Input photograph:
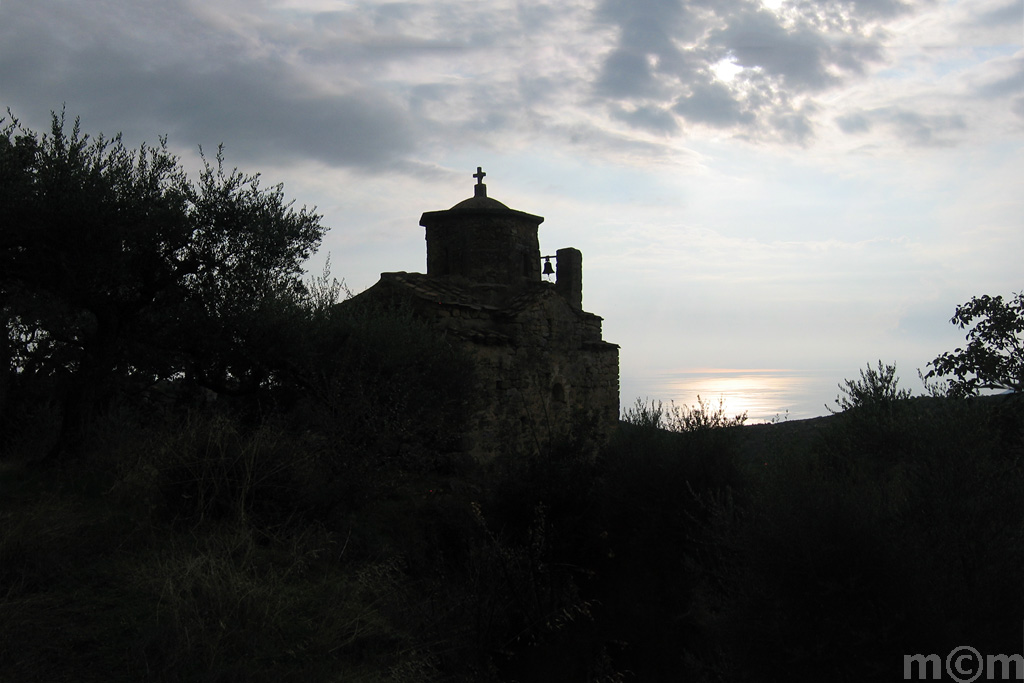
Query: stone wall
x,y
543,374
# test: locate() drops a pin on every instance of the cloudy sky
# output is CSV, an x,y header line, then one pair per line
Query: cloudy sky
x,y
768,195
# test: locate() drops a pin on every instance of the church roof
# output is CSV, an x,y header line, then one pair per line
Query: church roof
x,y
453,293
436,290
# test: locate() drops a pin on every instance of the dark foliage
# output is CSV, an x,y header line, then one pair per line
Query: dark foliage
x,y
868,547
197,545
117,271
994,355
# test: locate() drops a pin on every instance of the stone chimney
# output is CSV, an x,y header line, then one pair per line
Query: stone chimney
x,y
569,276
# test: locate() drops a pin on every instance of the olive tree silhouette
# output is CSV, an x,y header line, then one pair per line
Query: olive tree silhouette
x,y
114,266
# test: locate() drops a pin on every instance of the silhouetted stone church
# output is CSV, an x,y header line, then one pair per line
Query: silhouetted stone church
x,y
542,371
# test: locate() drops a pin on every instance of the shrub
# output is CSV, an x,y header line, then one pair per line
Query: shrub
x,y
681,419
875,389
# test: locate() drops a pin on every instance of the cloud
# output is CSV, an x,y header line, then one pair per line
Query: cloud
x,y
214,89
1009,79
853,123
802,57
1017,107
626,74
667,53
793,127
714,104
653,26
843,13
651,119
372,35
999,15
915,128
372,85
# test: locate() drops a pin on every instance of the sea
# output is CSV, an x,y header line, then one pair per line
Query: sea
x,y
765,395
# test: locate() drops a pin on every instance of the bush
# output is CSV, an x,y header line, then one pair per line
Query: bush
x,y
876,389
681,419
873,412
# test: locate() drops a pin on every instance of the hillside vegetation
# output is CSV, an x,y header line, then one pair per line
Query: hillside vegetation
x,y
201,544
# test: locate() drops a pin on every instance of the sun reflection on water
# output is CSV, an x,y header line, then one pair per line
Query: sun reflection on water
x,y
764,394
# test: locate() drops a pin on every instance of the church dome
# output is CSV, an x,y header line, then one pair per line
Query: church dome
x,y
478,202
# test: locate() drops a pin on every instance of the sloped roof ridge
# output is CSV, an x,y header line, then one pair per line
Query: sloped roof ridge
x,y
437,289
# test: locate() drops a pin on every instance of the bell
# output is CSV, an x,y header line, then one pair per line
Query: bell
x,y
548,268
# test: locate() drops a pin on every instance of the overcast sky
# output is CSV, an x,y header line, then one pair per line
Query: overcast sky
x,y
768,195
